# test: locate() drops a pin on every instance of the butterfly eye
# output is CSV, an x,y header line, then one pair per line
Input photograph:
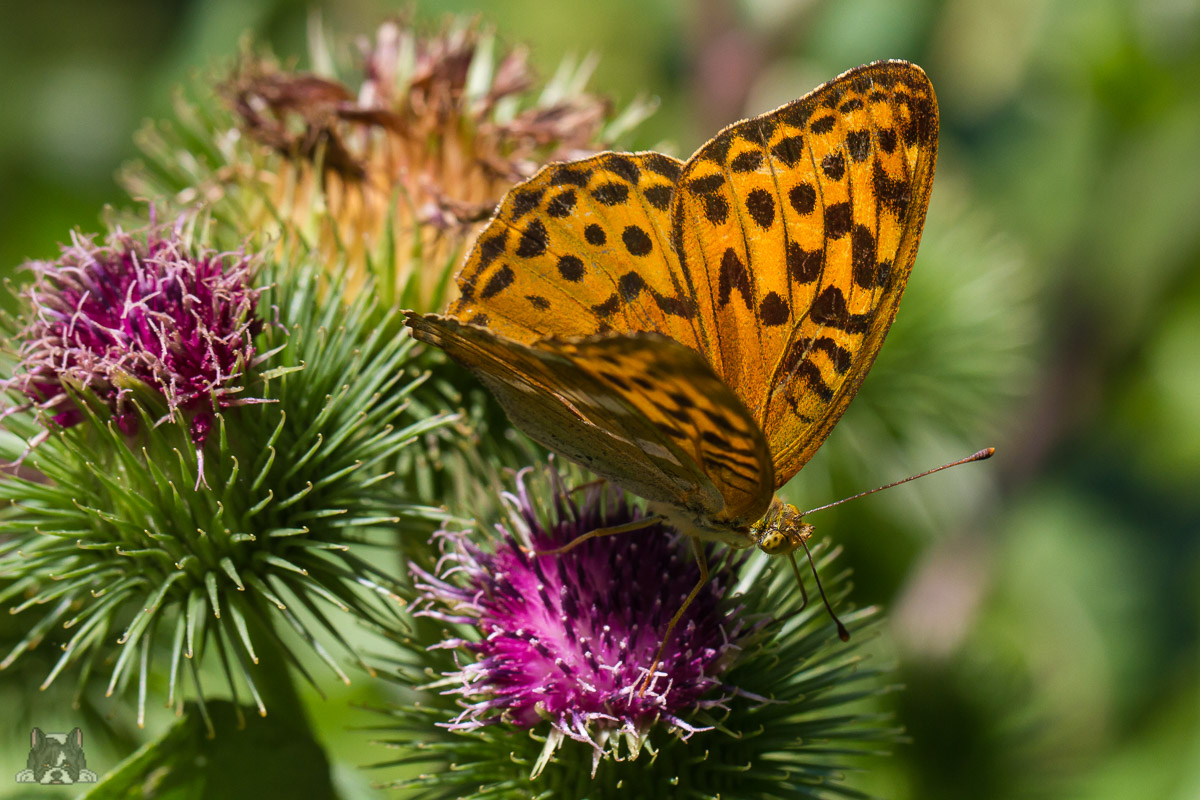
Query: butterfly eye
x,y
774,543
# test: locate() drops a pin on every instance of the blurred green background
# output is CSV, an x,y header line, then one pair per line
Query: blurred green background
x,y
1044,607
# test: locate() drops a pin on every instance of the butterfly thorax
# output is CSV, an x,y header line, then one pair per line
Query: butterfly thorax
x,y
707,528
778,532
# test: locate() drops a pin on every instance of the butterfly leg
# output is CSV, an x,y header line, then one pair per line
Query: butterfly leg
x,y
702,563
800,583
636,525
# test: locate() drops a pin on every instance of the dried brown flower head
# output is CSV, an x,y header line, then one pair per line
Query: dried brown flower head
x,y
394,176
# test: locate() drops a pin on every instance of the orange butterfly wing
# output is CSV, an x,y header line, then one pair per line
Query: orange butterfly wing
x,y
796,232
779,252
581,248
639,409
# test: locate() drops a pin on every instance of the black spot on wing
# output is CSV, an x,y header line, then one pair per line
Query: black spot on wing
x,y
797,113
830,309
789,150
492,247
659,196
773,310
533,240
630,285
809,374
746,161
611,194
823,125
716,209
887,140
623,166
895,195
675,306
761,207
615,379
571,176
667,167
834,166
561,204
608,307
883,273
838,356
636,240
803,265
595,235
718,149
681,400
571,268
707,184
863,256
733,275
837,220
922,125
499,281
524,201
803,198
858,145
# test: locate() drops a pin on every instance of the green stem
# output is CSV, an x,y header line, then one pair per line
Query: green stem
x,y
249,756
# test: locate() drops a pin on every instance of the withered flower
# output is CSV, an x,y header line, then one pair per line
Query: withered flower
x,y
395,176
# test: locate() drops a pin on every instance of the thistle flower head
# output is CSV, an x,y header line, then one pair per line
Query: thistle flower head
x,y
538,662
105,317
433,116
116,562
389,165
569,638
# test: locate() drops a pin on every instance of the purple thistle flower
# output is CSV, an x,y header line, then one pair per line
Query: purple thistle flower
x,y
569,638
105,316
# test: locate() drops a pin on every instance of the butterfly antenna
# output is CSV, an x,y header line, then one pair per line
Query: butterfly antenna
x,y
843,634
980,456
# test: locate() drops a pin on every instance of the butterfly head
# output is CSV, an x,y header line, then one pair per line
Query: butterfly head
x,y
781,530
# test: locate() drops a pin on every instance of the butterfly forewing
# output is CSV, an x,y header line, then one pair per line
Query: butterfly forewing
x,y
796,231
578,249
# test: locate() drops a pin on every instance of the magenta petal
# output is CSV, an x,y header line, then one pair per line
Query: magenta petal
x,y
148,308
570,637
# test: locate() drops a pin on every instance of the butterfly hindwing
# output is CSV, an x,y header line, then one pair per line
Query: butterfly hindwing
x,y
796,232
559,393
676,389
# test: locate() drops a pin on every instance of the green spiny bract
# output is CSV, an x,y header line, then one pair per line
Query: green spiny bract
x,y
118,555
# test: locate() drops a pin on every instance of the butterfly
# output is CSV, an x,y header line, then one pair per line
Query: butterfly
x,y
692,331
